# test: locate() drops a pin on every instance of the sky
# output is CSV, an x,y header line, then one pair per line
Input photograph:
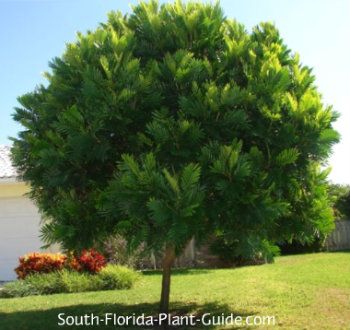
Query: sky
x,y
34,31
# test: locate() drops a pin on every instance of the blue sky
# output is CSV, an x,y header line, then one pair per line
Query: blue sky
x,y
34,31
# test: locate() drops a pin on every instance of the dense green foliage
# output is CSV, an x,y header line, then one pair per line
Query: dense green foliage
x,y
340,197
110,278
117,277
174,122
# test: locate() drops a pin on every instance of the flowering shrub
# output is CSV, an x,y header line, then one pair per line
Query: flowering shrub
x,y
89,260
72,263
40,263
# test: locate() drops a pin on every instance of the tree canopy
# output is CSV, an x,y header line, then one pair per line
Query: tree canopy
x,y
175,122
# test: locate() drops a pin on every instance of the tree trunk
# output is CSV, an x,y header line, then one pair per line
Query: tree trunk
x,y
168,261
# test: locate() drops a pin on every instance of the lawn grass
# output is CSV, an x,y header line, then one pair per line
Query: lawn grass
x,y
309,291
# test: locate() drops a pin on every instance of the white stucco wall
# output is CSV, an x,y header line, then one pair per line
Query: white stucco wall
x,y
19,227
19,233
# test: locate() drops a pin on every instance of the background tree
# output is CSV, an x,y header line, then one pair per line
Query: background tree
x,y
174,122
340,197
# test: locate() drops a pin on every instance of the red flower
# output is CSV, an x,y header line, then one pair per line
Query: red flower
x,y
40,263
91,261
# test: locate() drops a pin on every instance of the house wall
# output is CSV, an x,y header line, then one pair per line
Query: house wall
x,y
19,227
13,189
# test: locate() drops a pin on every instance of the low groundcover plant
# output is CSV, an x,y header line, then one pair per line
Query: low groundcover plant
x,y
112,277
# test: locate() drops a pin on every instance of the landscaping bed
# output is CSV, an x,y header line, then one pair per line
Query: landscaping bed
x,y
49,273
112,277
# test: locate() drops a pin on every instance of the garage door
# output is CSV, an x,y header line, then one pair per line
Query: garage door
x,y
19,233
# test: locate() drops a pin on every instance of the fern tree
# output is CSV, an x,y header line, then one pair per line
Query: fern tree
x,y
175,122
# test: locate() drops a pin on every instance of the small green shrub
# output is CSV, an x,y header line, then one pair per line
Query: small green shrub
x,y
247,251
16,289
111,277
35,284
78,282
44,283
117,277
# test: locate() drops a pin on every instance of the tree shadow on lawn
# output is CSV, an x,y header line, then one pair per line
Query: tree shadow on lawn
x,y
48,319
178,271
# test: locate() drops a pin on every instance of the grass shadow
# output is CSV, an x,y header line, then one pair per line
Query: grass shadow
x,y
48,318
